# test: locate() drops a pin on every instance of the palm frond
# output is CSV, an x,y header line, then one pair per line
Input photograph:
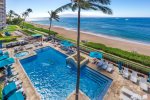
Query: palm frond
x,y
64,7
102,8
104,2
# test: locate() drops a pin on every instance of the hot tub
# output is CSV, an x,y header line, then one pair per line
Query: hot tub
x,y
21,54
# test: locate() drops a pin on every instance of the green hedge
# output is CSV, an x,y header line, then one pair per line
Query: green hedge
x,y
32,27
8,39
27,32
142,59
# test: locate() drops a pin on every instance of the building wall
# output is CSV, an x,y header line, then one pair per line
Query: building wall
x,y
2,13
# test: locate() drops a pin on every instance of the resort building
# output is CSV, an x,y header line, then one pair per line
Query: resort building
x,y
2,13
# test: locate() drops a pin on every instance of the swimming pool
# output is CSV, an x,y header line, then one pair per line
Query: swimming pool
x,y
55,81
21,54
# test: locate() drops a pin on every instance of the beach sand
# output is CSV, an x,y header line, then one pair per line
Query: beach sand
x,y
115,43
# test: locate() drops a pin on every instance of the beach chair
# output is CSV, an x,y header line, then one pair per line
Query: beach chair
x,y
143,84
125,73
134,76
110,68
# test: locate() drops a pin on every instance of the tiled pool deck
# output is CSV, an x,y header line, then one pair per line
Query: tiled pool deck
x,y
112,94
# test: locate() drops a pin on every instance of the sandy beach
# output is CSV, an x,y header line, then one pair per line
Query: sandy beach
x,y
115,43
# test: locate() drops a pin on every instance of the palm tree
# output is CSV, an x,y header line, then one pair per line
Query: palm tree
x,y
10,14
52,16
26,14
100,5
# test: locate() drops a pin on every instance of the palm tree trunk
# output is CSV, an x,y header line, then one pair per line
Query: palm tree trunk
x,y
23,23
78,56
50,25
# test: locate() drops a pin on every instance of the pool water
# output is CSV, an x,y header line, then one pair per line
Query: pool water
x,y
54,80
21,54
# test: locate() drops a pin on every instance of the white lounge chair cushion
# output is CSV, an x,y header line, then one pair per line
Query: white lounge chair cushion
x,y
125,73
134,77
110,68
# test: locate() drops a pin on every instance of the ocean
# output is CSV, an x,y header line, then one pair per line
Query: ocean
x,y
130,29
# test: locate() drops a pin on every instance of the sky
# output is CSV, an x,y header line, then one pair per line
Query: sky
x,y
120,8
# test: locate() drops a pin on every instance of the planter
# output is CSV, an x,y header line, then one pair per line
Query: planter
x,y
72,60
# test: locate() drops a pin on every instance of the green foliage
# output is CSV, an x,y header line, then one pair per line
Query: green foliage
x,y
32,27
142,59
14,21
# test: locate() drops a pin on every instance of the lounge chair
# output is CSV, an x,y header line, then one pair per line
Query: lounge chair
x,y
143,84
110,68
133,77
100,63
105,65
127,94
126,73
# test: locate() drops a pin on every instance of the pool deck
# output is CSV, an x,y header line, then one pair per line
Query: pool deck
x,y
112,94
82,96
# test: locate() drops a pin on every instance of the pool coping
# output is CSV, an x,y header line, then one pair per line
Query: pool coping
x,y
29,79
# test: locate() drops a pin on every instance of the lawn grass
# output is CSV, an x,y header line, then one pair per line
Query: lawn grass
x,y
32,27
11,28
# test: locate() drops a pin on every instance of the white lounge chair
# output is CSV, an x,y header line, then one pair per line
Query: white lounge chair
x,y
105,65
143,84
110,68
126,73
134,76
127,94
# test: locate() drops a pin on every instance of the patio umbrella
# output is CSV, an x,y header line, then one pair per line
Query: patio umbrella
x,y
6,62
120,65
9,89
16,96
66,43
97,55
